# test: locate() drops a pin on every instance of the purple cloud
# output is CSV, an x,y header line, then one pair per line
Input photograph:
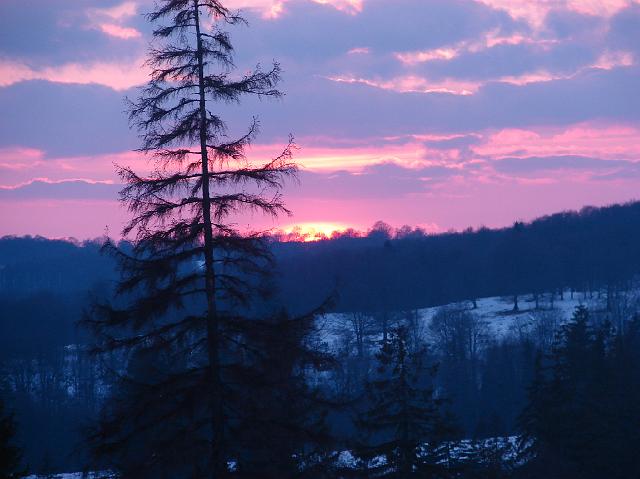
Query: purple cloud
x,y
61,190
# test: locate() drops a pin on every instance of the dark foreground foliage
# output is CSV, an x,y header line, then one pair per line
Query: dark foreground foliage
x,y
583,416
403,421
10,455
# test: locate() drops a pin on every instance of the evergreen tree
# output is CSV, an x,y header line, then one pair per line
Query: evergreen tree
x,y
565,422
10,455
623,421
282,431
190,277
405,430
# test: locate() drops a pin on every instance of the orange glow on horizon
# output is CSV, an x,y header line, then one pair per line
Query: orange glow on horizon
x,y
313,231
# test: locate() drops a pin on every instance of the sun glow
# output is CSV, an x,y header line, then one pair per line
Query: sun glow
x,y
306,232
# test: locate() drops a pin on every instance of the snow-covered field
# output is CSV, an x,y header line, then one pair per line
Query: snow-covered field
x,y
74,475
459,450
496,314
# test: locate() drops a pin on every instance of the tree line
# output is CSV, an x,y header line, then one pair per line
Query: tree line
x,y
589,252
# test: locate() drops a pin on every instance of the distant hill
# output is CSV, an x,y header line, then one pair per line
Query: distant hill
x,y
593,249
36,264
588,250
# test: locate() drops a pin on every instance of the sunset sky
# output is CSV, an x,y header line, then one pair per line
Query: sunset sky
x,y
441,114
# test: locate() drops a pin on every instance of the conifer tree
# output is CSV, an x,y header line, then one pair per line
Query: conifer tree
x,y
282,431
563,426
190,276
404,425
622,438
10,455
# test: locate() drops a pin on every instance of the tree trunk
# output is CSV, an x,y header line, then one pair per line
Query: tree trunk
x,y
405,453
218,465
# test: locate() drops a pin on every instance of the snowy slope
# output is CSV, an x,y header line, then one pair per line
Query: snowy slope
x,y
496,313
74,475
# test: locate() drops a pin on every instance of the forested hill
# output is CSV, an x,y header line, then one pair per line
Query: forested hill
x,y
36,264
593,249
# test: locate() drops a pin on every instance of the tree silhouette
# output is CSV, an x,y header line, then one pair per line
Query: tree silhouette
x,y
577,421
278,402
403,422
190,274
10,455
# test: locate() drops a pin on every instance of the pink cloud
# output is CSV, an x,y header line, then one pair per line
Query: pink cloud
x,y
531,11
272,9
489,40
21,165
539,76
534,12
111,21
349,6
413,83
49,181
602,8
418,84
606,61
119,32
606,141
358,51
411,58
613,59
593,140
495,38
18,157
118,12
119,76
326,159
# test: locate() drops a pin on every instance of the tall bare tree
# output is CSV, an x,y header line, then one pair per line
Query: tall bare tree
x,y
189,273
